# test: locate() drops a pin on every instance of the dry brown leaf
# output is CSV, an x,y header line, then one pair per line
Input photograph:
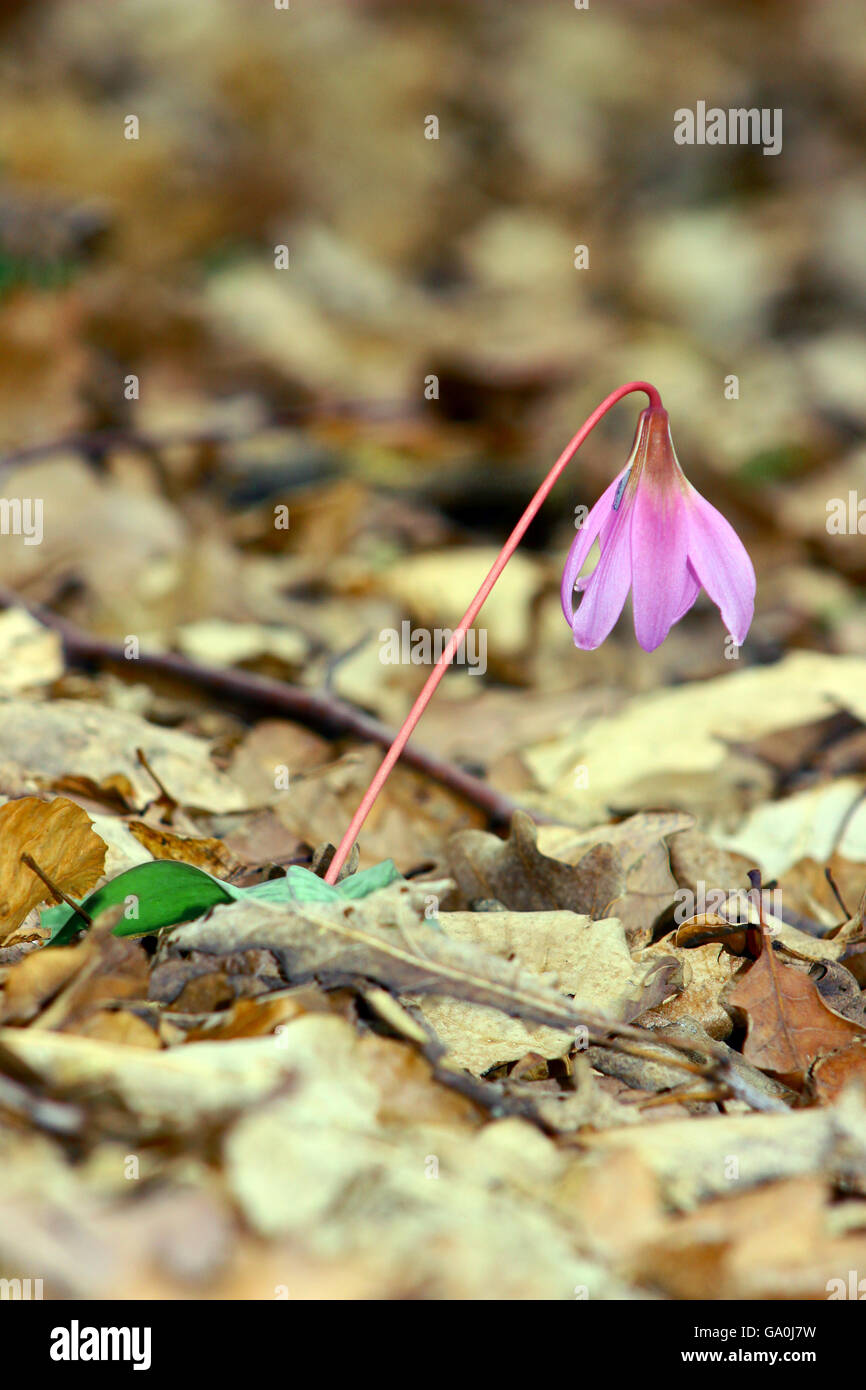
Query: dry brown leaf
x,y
30,654
516,873
831,1074
31,982
384,939
208,854
692,1160
705,971
772,1243
586,959
271,744
119,1026
631,761
408,824
789,1023
246,973
60,838
646,845
111,968
254,1018
806,890
70,742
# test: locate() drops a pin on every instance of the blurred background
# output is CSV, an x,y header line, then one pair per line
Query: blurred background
x,y
375,261
165,385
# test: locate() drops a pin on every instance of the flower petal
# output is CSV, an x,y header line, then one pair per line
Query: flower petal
x,y
721,563
608,585
691,589
598,520
659,557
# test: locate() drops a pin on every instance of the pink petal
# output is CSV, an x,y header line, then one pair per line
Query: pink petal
x,y
598,520
659,556
721,563
691,589
608,585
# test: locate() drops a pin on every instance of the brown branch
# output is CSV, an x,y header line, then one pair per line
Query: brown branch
x,y
57,893
314,708
314,412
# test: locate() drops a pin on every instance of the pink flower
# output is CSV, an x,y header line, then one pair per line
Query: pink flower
x,y
661,539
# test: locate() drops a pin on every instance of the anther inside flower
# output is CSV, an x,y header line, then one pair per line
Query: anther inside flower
x,y
660,538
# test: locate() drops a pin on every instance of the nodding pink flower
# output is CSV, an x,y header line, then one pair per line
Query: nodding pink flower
x,y
658,537
661,539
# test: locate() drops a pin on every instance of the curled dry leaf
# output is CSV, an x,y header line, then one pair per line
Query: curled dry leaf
x,y
705,971
208,854
789,1023
645,844
839,990
34,980
520,876
831,1074
61,840
709,928
63,994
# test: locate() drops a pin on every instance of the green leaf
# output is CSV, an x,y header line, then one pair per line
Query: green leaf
x,y
169,892
370,880
303,886
299,886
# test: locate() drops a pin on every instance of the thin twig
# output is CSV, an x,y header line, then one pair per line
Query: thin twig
x,y
679,1096
313,708
57,893
828,874
319,412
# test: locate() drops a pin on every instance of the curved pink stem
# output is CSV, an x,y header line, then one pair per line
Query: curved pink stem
x,y
469,617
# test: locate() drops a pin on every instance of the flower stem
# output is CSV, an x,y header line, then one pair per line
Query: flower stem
x,y
470,615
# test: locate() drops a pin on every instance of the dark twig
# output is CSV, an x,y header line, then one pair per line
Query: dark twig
x,y
320,412
57,893
315,709
828,874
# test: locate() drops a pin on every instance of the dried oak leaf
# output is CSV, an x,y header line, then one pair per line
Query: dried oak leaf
x,y
839,990
90,748
525,880
830,1075
63,988
789,1025
644,843
208,854
59,837
386,940
111,969
588,960
35,979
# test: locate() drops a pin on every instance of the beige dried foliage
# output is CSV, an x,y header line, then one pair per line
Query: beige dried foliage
x,y
586,959
93,747
59,837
